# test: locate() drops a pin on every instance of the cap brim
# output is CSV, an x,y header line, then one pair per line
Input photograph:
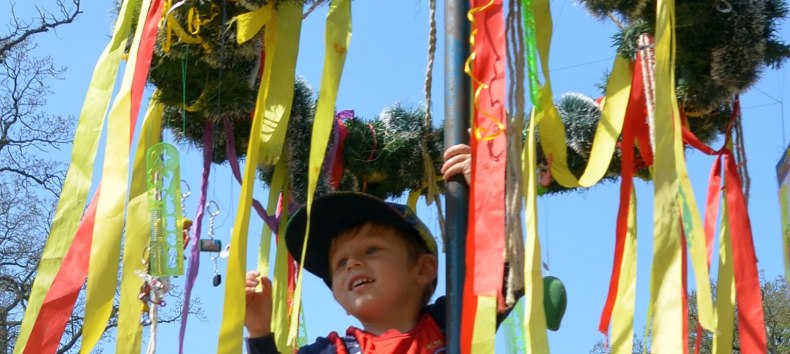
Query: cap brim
x,y
336,212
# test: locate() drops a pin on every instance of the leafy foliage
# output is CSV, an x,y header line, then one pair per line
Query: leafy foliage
x,y
776,309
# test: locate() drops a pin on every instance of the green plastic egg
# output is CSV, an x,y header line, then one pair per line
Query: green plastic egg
x,y
555,300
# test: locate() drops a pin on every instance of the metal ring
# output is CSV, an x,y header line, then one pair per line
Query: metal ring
x,y
188,192
723,6
209,208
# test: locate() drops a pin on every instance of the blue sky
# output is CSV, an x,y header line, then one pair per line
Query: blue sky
x,y
386,65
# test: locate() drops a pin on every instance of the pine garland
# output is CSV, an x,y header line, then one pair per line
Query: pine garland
x,y
381,156
580,115
719,54
722,47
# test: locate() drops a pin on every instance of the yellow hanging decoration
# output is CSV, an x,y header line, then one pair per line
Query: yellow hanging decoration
x,y
692,226
534,313
273,94
552,130
77,182
234,305
282,47
665,286
275,188
136,240
193,18
485,325
725,292
783,196
250,23
106,243
623,311
189,36
337,39
280,307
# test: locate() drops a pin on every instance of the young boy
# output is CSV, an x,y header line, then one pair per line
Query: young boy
x,y
379,260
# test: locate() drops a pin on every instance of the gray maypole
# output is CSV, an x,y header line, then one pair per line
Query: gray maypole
x,y
456,122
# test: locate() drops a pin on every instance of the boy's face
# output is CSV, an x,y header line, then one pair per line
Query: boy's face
x,y
372,276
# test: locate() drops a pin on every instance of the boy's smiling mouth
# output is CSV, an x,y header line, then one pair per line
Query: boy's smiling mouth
x,y
359,281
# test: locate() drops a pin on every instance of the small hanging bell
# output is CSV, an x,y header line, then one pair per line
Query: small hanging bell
x,y
217,280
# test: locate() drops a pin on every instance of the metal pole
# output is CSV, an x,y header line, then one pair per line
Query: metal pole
x,y
456,123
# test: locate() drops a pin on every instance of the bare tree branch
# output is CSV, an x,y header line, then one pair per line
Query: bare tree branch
x,y
45,21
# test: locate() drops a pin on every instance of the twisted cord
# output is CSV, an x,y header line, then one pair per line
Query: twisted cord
x,y
432,192
740,157
514,190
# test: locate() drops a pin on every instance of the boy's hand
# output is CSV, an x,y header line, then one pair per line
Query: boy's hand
x,y
258,313
457,159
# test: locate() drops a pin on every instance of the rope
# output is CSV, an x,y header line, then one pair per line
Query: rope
x,y
432,192
154,320
648,64
740,157
514,189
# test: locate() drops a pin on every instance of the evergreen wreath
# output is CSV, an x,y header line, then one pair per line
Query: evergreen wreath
x,y
722,47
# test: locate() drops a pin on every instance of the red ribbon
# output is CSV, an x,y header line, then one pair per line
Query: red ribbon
x,y
144,54
62,295
486,229
751,323
335,162
634,127
489,153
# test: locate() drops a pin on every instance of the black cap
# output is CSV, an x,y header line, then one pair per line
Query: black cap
x,y
333,213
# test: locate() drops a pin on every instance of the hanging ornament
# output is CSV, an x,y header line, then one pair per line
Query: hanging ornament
x,y
186,223
211,244
166,245
555,300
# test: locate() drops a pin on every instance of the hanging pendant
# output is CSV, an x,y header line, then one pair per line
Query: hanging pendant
x,y
210,245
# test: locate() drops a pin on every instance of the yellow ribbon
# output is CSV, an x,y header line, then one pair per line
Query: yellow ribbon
x,y
665,285
106,243
337,38
231,330
138,228
282,48
783,195
725,292
695,237
193,18
534,313
78,177
411,202
280,310
623,311
485,325
552,130
277,185
172,26
275,93
250,23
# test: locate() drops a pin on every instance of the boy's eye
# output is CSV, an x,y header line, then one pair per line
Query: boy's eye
x,y
342,263
372,249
